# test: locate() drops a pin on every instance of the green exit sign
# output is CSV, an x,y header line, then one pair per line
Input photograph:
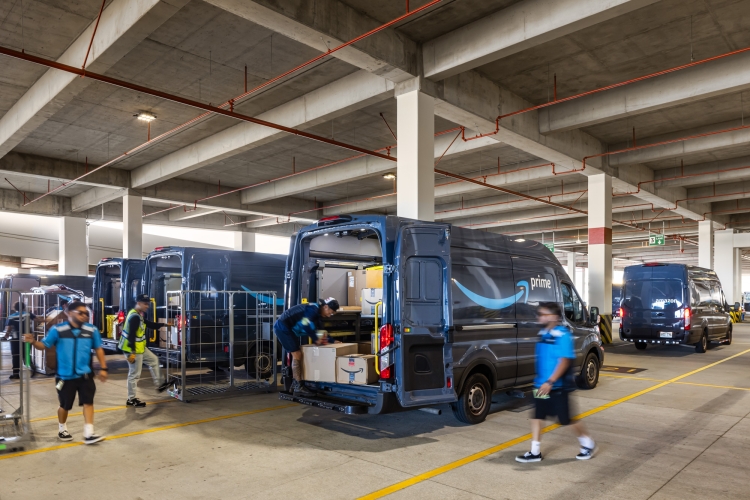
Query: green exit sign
x,y
655,240
551,246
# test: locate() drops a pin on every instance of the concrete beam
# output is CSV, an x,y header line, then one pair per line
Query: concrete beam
x,y
341,97
324,24
178,215
519,27
724,76
59,171
719,172
124,24
97,196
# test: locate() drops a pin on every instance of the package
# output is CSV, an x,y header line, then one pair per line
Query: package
x,y
374,277
356,369
356,281
370,297
364,348
319,361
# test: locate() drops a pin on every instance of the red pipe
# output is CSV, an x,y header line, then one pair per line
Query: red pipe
x,y
602,89
96,26
681,177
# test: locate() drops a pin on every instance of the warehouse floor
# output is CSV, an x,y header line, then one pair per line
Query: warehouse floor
x,y
659,436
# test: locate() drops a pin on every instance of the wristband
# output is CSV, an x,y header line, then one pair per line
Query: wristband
x,y
104,369
550,382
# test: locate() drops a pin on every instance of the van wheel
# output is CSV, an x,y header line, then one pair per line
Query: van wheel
x,y
589,376
260,365
728,339
702,344
474,402
641,346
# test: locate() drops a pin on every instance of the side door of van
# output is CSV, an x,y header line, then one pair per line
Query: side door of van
x,y
423,318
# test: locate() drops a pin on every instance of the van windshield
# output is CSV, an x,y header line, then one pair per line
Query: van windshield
x,y
659,295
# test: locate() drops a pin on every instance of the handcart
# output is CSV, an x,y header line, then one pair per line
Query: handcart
x,y
15,426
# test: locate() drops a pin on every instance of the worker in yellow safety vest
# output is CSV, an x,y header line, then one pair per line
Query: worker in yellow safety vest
x,y
133,345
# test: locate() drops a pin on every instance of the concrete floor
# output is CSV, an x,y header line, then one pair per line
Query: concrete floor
x,y
686,439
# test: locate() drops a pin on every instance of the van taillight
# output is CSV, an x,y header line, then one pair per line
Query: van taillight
x,y
622,312
687,317
121,316
386,339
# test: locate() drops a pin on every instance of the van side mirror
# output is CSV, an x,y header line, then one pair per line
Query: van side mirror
x,y
594,314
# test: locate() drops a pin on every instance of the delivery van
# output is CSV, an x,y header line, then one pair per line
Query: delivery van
x,y
206,312
117,283
454,319
673,304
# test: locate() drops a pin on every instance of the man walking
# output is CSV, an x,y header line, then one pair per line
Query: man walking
x,y
12,329
301,322
133,344
554,355
74,340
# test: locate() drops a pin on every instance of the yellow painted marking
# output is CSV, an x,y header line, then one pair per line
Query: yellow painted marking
x,y
148,431
502,446
679,383
103,410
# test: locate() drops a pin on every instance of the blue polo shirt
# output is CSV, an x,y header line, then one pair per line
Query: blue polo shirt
x,y
74,347
552,346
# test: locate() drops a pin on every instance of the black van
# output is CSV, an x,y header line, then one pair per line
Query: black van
x,y
117,283
673,304
169,269
458,312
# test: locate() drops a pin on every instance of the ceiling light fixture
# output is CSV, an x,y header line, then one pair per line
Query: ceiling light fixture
x,y
145,117
389,176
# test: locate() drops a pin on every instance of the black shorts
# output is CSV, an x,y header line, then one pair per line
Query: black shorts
x,y
288,340
83,386
557,405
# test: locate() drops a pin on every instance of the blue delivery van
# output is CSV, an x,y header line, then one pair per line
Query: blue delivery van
x,y
206,313
117,283
673,304
457,317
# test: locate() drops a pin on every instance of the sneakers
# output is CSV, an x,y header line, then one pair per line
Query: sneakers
x,y
299,389
93,439
163,387
15,376
529,457
586,453
135,402
64,436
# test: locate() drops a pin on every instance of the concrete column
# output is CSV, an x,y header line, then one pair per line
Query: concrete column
x,y
73,251
571,267
415,180
244,242
737,292
706,244
132,227
726,261
600,250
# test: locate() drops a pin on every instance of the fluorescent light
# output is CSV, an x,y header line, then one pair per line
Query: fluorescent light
x,y
145,117
389,176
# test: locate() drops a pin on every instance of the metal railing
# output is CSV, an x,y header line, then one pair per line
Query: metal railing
x,y
48,308
217,342
15,425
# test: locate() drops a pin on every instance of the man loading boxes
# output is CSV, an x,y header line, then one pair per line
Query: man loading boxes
x,y
300,323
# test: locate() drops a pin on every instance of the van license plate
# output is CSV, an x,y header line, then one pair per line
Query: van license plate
x,y
665,335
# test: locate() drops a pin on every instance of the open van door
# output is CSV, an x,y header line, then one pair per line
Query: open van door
x,y
423,315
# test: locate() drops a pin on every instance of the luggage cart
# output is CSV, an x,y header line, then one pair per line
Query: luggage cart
x,y
15,426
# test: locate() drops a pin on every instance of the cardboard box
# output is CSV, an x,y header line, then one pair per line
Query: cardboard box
x,y
356,369
319,362
355,281
374,277
364,348
370,297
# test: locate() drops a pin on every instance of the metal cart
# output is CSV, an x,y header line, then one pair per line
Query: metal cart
x,y
15,426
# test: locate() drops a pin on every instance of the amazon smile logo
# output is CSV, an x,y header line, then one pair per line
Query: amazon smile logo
x,y
490,303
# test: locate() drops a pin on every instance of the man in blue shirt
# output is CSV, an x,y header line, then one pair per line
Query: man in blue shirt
x,y
74,340
301,322
554,357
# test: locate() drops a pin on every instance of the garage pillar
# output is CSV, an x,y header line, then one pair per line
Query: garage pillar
x,y
244,242
727,264
73,247
706,244
571,267
600,250
132,227
415,174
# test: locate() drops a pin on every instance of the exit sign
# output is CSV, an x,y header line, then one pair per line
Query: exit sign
x,y
655,240
551,246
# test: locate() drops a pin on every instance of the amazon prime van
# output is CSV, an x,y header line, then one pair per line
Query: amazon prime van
x,y
455,317
117,283
673,304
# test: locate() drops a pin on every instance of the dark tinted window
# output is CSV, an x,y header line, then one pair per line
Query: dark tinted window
x,y
483,293
654,294
703,291
572,305
423,300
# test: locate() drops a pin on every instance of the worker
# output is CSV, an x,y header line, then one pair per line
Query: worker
x,y
74,340
301,323
12,329
133,345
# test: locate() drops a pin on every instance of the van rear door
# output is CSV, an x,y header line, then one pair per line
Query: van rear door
x,y
423,360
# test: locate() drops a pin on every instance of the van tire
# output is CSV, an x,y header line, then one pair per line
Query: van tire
x,y
475,400
728,339
702,345
641,346
589,376
260,366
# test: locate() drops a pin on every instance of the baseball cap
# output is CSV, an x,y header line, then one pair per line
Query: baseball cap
x,y
143,298
330,302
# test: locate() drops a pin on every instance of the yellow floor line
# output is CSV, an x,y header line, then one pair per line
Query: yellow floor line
x,y
502,446
102,410
679,383
148,431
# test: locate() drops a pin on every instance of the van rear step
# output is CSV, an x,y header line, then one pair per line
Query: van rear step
x,y
326,404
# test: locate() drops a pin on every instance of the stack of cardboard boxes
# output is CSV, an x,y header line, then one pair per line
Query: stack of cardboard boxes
x,y
339,363
365,289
